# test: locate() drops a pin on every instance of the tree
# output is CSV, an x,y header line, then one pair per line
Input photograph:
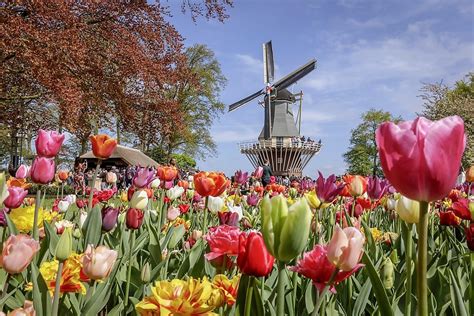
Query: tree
x,y
362,156
441,100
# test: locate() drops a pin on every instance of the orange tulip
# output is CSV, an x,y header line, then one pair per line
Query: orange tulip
x,y
184,184
63,175
167,173
210,183
470,174
355,184
15,182
103,145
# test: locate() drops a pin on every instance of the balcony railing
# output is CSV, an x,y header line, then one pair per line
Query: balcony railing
x,y
278,143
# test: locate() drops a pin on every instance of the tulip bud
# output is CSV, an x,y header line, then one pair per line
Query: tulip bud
x,y
145,275
215,204
408,210
42,170
139,200
134,218
196,234
3,188
15,197
109,218
173,213
313,199
387,273
394,256
63,205
82,218
64,246
285,231
391,203
293,192
189,194
22,172
77,233
155,184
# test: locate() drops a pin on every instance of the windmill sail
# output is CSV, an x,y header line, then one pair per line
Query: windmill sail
x,y
268,66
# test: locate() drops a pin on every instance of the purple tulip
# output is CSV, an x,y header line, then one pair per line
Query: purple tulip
x,y
252,199
241,177
42,170
22,172
228,218
109,218
48,143
376,188
143,177
307,185
327,189
15,197
3,217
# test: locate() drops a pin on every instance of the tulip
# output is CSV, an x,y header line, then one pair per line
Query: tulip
x,y
355,184
64,246
345,248
97,263
421,158
139,200
391,204
103,145
258,172
222,240
285,231
168,184
15,197
111,177
241,177
3,188
174,193
388,276
145,274
27,310
155,184
184,184
236,210
461,209
134,218
48,143
143,177
18,251
63,205
449,219
109,218
196,234
254,258
210,184
408,210
63,175
228,218
376,188
313,200
470,174
326,189
62,225
215,204
173,213
252,199
82,218
167,173
42,170
184,208
3,217
470,236
316,266
22,172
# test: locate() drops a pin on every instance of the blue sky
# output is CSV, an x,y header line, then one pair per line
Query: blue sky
x,y
370,54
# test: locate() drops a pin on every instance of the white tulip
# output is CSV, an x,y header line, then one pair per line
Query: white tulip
x,y
139,200
215,204
155,184
63,205
174,193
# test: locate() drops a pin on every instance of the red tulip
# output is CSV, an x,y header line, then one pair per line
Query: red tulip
x,y
184,208
15,197
421,158
48,143
316,266
470,236
449,219
103,145
228,218
254,258
222,240
461,209
42,170
134,218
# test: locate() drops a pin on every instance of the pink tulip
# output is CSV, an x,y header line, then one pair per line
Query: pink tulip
x,y
15,197
42,170
98,262
421,158
173,213
258,172
48,143
22,172
345,248
27,310
18,251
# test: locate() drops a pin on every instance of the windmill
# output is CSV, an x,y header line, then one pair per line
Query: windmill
x,y
274,91
276,142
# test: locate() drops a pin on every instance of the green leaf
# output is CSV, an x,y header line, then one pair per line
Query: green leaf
x,y
370,238
456,297
41,297
309,297
362,298
93,227
117,310
52,237
11,225
379,291
176,236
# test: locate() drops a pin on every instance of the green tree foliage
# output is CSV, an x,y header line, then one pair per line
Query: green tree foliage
x,y
361,157
441,100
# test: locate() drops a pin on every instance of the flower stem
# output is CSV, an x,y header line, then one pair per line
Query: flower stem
x,y
407,228
421,278
91,193
248,298
281,289
35,218
204,220
129,268
57,289
322,296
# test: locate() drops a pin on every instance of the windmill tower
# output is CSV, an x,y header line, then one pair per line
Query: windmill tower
x,y
279,141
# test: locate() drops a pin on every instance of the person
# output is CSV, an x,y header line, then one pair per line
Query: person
x,y
267,173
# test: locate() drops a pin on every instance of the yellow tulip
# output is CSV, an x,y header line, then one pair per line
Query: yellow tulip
x,y
408,210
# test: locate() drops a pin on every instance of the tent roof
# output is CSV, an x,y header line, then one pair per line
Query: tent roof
x,y
131,156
